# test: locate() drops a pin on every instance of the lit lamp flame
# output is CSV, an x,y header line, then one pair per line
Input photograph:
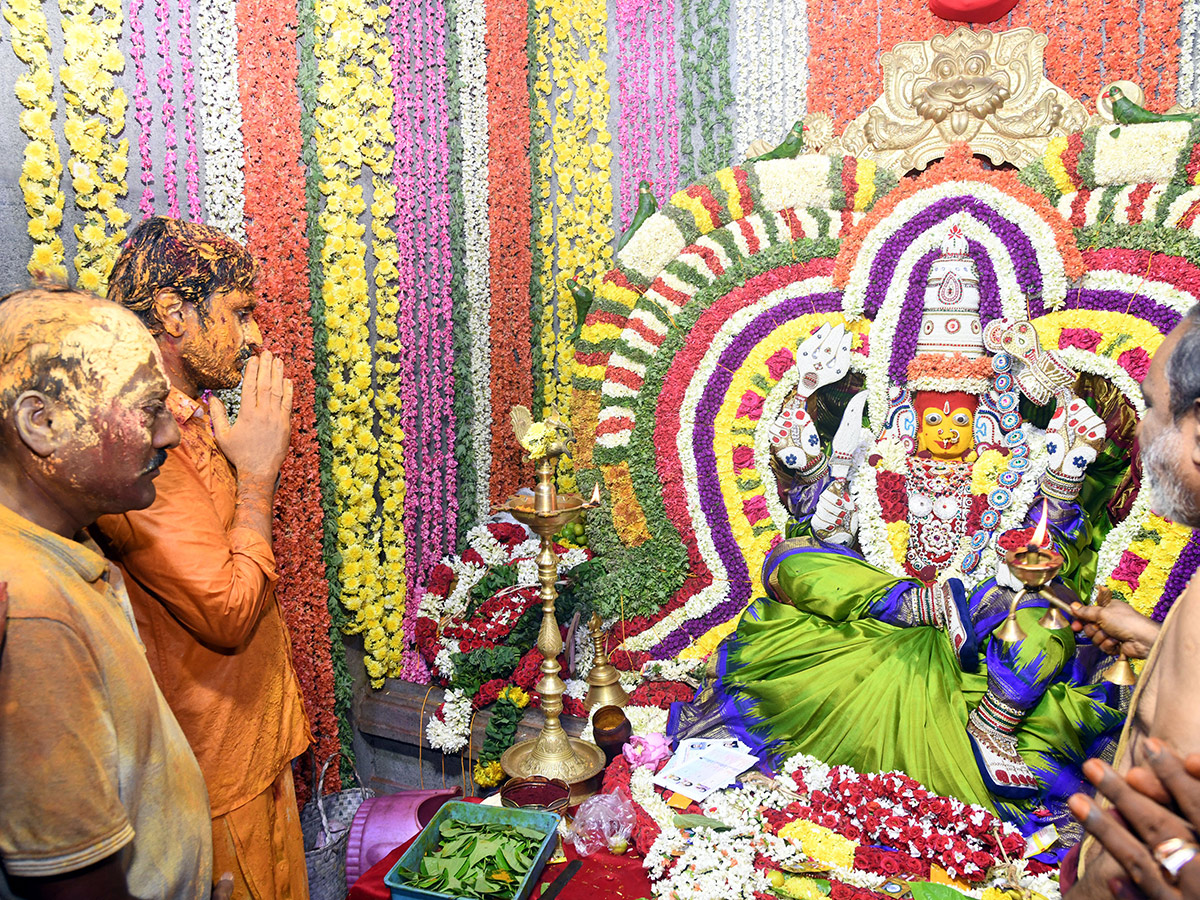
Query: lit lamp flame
x,y
595,501
1039,535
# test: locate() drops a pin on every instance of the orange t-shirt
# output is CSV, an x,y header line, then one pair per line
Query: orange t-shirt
x,y
92,762
203,594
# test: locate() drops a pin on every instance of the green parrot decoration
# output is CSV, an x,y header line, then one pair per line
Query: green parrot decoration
x,y
1126,112
646,207
792,144
583,302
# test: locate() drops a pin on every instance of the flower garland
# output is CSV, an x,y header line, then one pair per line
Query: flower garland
x,y
470,249
426,379
1188,90
510,261
95,110
274,206
41,168
220,115
142,106
162,32
773,79
649,123
706,135
821,819
191,166
572,235
501,728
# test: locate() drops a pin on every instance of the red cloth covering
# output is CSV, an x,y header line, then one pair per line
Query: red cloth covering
x,y
603,875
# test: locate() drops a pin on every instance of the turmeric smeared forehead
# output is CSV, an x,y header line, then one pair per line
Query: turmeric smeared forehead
x,y
74,347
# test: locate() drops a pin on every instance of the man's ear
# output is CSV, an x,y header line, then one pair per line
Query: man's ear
x,y
33,421
168,308
1191,431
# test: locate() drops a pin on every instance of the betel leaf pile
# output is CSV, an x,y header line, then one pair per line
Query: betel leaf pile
x,y
481,860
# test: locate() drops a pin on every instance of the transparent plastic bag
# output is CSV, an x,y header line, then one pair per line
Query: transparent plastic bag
x,y
605,820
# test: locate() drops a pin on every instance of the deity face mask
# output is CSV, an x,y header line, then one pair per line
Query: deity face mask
x,y
945,423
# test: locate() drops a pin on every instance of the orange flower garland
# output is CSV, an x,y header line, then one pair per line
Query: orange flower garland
x,y
509,218
275,234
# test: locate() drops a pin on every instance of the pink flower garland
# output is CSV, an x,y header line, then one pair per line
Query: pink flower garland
x,y
165,71
141,105
641,65
192,166
421,179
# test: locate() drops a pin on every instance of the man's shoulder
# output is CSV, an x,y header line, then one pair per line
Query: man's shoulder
x,y
39,585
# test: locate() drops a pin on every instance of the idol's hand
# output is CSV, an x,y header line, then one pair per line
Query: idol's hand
x,y
1073,438
822,359
257,442
794,438
835,519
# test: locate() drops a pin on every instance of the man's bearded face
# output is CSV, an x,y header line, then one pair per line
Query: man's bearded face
x,y
218,344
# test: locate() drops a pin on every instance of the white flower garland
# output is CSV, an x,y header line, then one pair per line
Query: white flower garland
x,y
468,19
449,733
1189,51
642,720
772,78
220,116
1139,153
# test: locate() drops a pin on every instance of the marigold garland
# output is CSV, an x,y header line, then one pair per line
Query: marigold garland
x,y
41,170
573,145
275,210
95,112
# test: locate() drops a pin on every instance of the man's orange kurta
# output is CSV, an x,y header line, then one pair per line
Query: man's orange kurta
x,y
203,594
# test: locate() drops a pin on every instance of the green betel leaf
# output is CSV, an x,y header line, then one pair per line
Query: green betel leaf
x,y
927,890
692,820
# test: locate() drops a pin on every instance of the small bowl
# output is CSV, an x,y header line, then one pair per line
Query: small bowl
x,y
536,792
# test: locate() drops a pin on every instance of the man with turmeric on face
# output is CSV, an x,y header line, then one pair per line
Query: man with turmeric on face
x,y
198,562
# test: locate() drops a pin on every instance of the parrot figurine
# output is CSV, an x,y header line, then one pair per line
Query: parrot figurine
x,y
583,302
792,144
646,207
1126,112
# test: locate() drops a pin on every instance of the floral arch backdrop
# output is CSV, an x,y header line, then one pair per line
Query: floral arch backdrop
x,y
420,179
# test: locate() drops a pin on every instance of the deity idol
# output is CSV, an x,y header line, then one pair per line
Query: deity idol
x,y
876,646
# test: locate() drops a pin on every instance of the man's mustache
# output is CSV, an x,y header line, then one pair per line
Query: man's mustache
x,y
160,457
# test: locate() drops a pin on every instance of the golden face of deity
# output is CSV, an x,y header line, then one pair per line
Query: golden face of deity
x,y
946,429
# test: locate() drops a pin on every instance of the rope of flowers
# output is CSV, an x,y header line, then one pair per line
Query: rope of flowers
x,y
275,182
1188,90
510,268
574,147
95,110
143,108
339,38
646,91
41,168
166,83
426,379
498,737
773,78
220,115
470,249
191,166
706,88
307,84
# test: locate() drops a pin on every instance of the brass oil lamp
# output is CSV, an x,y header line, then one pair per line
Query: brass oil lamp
x,y
552,754
604,681
1036,566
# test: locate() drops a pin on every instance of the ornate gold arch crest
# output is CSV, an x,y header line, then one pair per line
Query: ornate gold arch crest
x,y
989,89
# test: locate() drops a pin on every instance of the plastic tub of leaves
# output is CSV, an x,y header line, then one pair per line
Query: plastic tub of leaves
x,y
469,850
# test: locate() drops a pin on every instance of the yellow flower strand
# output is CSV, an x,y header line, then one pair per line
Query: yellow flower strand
x,y
572,40
341,42
42,168
95,115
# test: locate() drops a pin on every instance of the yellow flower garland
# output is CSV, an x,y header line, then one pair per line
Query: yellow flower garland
x,y
95,109
821,844
42,168
352,129
1160,543
572,40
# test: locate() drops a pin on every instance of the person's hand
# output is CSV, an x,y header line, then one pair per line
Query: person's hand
x,y
1115,627
1073,438
822,359
1156,842
257,442
223,889
835,519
